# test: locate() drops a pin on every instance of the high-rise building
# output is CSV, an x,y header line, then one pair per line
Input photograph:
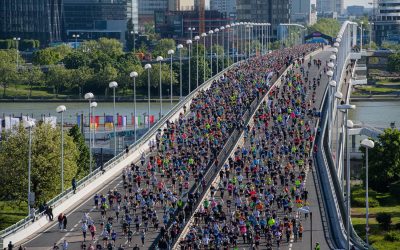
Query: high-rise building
x,y
227,7
31,19
326,7
180,5
92,19
303,12
386,19
273,12
147,8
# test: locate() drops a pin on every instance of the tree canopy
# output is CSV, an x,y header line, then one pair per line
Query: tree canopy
x,y
384,160
328,26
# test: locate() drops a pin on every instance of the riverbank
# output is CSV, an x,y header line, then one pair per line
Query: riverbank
x,y
374,98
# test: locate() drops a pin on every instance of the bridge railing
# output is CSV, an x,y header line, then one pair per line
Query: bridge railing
x,y
149,135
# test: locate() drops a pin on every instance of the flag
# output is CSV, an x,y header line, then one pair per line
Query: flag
x,y
78,120
94,122
146,120
119,120
124,118
108,123
136,121
52,120
151,119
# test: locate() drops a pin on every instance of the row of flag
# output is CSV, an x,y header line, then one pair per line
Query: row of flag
x,y
9,122
122,121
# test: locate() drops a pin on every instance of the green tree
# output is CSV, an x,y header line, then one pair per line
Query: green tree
x,y
46,162
8,68
84,156
155,77
384,160
328,26
32,76
52,55
80,78
163,46
59,78
394,62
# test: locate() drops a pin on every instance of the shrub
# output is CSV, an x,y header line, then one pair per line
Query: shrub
x,y
397,226
392,236
384,219
360,202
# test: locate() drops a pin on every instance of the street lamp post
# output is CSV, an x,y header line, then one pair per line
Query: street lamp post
x,y
133,33
17,39
370,34
171,52
228,30
204,35
367,144
93,105
189,43
180,47
114,85
211,36
134,74
197,38
148,67
338,96
191,29
361,37
160,59
29,125
76,36
222,28
217,35
349,124
61,109
89,96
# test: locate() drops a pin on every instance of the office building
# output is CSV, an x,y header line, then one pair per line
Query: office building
x,y
355,10
227,7
181,5
176,24
31,19
329,8
92,19
386,21
147,8
273,12
303,12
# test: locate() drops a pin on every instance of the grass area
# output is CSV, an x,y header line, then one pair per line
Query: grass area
x,y
22,91
378,89
11,212
389,82
381,202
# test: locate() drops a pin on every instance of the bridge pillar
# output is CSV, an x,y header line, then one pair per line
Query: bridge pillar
x,y
353,142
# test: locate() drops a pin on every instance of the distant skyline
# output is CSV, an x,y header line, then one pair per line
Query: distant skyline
x,y
357,2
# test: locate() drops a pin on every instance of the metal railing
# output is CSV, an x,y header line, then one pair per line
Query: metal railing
x,y
115,160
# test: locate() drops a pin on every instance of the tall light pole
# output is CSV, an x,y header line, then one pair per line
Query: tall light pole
x,y
217,35
76,36
240,46
204,35
361,36
349,124
189,43
171,53
191,29
179,48
211,36
134,74
17,39
370,34
133,33
89,96
148,67
367,144
338,96
114,85
61,109
29,125
160,59
197,38
306,210
228,30
93,105
222,28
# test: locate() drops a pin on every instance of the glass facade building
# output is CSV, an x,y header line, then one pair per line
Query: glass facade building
x,y
31,19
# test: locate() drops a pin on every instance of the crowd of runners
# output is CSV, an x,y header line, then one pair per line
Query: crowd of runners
x,y
155,191
261,187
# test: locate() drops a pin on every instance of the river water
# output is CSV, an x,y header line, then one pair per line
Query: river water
x,y
377,113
